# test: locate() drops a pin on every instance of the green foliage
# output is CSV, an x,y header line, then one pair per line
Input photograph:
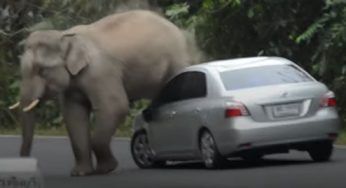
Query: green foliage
x,y
180,15
328,32
312,29
136,108
177,11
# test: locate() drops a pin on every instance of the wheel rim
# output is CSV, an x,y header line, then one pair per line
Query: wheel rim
x,y
142,150
207,149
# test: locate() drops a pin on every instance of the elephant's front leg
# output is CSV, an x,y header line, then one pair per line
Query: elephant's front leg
x,y
110,111
76,116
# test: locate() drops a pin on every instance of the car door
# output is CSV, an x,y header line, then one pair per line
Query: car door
x,y
187,117
163,109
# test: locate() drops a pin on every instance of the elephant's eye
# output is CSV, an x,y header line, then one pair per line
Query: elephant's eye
x,y
42,72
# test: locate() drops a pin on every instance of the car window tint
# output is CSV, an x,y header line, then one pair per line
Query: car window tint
x,y
262,76
194,87
169,92
184,86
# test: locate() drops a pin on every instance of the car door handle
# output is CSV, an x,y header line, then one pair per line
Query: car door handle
x,y
172,114
197,110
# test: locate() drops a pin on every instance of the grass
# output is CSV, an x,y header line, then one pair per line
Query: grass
x,y
342,138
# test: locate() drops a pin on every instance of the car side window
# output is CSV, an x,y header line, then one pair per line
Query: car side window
x,y
170,92
184,86
195,86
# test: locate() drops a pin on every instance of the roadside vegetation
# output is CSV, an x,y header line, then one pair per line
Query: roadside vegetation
x,y
312,33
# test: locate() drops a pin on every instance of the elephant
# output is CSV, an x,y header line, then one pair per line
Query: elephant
x,y
99,68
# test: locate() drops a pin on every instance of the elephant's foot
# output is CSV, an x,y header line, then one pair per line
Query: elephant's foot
x,y
106,167
81,171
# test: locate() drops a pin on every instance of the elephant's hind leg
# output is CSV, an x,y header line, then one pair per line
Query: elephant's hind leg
x,y
76,118
107,120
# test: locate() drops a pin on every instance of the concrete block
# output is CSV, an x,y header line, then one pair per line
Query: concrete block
x,y
20,173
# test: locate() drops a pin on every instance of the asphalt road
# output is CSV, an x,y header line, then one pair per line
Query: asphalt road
x,y
285,170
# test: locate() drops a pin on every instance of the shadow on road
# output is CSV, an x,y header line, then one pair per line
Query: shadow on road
x,y
241,164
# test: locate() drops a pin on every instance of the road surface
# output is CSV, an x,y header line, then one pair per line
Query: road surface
x,y
285,170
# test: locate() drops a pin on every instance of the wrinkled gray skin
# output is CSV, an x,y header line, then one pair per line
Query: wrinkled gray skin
x,y
99,68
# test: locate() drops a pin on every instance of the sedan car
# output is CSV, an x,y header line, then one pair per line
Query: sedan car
x,y
246,107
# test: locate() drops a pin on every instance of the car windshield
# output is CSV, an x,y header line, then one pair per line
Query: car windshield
x,y
262,76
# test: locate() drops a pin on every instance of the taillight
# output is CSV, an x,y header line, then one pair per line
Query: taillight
x,y
236,109
328,100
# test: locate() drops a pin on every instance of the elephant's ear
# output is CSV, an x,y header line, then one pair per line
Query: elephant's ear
x,y
75,53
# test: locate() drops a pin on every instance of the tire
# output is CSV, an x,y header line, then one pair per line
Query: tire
x,y
210,155
142,153
321,151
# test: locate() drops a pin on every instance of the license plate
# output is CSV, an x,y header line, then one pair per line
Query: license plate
x,y
285,110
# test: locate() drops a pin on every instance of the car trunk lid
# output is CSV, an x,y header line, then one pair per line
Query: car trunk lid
x,y
281,102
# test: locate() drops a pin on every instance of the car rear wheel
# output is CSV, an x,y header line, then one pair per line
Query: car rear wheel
x,y
321,151
142,153
210,155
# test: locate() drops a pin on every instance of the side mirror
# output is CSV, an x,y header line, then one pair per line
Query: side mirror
x,y
148,114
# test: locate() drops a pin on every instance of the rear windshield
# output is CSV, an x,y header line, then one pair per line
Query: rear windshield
x,y
262,76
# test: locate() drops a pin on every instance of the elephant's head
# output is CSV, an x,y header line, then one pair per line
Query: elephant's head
x,y
50,60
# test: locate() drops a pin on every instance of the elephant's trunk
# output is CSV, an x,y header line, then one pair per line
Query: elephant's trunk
x,y
30,93
27,122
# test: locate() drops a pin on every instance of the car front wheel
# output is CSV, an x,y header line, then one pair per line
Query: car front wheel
x,y
142,153
210,155
321,151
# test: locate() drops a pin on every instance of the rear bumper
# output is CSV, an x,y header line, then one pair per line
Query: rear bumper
x,y
279,148
244,133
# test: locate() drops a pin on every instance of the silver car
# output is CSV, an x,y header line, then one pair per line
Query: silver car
x,y
247,107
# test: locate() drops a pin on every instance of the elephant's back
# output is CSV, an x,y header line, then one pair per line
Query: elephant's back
x,y
119,21
150,49
136,30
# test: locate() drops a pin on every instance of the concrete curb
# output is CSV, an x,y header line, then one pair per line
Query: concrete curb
x,y
340,146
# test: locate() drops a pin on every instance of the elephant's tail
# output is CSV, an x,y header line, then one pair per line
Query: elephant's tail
x,y
196,55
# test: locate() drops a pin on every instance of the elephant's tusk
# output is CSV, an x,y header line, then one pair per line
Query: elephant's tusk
x,y
14,106
31,105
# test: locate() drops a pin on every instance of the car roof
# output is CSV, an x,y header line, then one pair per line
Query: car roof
x,y
238,63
